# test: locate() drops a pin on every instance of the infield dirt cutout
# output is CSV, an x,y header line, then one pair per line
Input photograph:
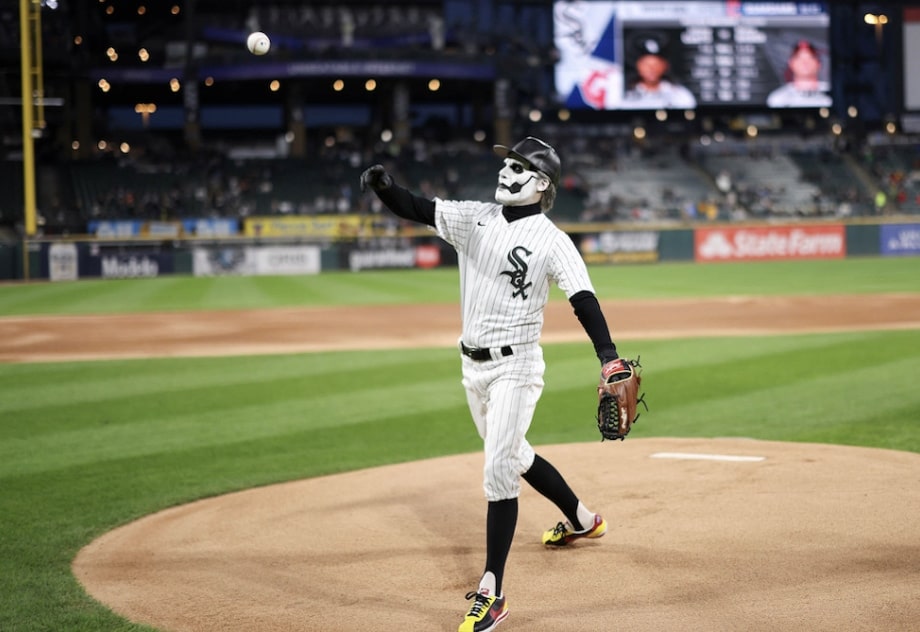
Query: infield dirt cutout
x,y
805,537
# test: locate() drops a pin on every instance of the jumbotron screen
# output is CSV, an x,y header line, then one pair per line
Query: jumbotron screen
x,y
683,55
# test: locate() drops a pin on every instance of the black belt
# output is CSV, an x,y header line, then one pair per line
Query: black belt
x,y
481,355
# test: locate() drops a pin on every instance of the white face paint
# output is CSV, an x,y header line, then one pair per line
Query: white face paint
x,y
517,186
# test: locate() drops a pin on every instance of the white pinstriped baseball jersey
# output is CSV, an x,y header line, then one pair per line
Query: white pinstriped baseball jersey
x,y
506,269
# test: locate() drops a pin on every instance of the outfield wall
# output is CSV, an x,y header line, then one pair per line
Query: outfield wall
x,y
284,248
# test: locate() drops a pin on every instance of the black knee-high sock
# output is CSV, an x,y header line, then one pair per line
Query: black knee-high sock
x,y
547,480
501,520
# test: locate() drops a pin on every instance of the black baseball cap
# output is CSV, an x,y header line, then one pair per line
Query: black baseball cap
x,y
650,43
534,154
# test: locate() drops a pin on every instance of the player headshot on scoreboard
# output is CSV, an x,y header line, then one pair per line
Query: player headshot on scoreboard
x,y
651,85
804,86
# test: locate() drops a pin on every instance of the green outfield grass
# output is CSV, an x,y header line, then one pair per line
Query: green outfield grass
x,y
87,446
847,276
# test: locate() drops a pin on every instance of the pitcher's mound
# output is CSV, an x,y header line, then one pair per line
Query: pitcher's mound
x,y
725,534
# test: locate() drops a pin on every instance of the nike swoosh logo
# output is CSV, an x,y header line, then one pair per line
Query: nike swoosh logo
x,y
480,224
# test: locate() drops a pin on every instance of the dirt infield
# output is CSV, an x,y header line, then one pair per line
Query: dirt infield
x,y
784,543
704,534
56,338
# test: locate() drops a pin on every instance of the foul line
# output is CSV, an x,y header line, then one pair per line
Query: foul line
x,y
706,457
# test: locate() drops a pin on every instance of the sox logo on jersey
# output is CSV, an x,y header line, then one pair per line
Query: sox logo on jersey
x,y
518,276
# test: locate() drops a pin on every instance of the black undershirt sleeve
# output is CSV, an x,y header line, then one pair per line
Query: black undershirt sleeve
x,y
589,314
407,205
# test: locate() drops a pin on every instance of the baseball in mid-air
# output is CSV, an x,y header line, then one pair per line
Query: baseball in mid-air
x,y
258,43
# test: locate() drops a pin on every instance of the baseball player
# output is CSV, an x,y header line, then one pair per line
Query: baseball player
x,y
652,88
509,252
804,87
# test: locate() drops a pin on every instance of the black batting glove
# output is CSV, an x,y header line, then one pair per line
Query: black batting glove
x,y
376,178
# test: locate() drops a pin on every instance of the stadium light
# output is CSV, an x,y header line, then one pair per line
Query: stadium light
x,y
878,21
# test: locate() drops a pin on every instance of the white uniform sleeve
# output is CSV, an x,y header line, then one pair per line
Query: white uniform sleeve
x,y
568,269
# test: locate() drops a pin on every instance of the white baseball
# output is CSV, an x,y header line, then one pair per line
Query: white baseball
x,y
258,43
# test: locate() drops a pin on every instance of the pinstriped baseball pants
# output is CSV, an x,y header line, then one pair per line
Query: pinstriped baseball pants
x,y
502,395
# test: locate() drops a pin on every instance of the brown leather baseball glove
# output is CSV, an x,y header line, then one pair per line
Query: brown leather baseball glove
x,y
618,398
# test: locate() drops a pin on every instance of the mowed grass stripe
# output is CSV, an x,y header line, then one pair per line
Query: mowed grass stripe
x,y
132,296
40,298
43,384
161,413
566,363
172,431
181,293
824,408
833,276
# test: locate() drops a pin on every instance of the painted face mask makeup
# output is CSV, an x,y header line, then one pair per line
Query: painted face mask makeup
x,y
518,185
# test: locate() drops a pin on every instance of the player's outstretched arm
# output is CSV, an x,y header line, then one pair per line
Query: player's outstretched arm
x,y
396,198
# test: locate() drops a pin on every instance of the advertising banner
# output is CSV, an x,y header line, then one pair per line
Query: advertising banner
x,y
323,226
108,229
256,260
222,260
125,265
134,266
211,227
899,240
114,228
380,258
63,262
427,256
286,259
770,242
620,247
166,230
406,255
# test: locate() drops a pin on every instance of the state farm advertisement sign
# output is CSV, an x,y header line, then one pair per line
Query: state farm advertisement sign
x,y
770,242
